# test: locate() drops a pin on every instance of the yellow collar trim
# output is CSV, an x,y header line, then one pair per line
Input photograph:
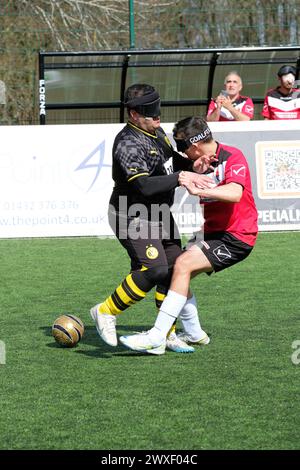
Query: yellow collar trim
x,y
142,130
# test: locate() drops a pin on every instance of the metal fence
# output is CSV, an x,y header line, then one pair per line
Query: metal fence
x,y
89,86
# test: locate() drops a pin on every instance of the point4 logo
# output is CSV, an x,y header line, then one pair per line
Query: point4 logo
x,y
92,166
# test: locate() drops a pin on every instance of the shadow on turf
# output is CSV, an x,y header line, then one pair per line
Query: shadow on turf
x,y
91,338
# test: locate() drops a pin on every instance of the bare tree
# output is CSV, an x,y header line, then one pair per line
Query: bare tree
x,y
94,24
28,26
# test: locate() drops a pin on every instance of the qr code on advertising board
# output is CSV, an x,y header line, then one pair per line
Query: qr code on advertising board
x,y
278,169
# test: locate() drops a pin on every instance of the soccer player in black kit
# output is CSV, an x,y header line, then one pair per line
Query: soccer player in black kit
x,y
145,171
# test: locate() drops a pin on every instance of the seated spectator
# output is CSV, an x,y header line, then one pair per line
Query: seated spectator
x,y
283,102
230,105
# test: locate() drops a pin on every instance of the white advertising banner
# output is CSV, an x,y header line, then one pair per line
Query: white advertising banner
x,y
272,149
56,180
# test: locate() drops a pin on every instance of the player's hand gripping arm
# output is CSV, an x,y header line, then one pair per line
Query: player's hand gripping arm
x,y
231,192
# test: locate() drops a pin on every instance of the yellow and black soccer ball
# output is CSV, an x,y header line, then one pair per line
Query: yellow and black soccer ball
x,y
68,330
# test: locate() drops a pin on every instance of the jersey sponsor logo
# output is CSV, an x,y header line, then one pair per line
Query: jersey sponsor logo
x,y
285,115
238,170
222,253
152,252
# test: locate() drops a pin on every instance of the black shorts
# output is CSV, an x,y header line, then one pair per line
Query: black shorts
x,y
157,245
221,249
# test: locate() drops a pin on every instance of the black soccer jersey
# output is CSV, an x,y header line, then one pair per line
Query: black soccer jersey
x,y
139,154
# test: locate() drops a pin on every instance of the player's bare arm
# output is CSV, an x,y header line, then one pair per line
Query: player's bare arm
x,y
231,192
202,181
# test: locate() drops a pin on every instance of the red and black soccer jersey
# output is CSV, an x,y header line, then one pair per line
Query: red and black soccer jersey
x,y
244,104
280,106
238,218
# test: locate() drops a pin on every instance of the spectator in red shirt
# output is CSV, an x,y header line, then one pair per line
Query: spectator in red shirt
x,y
230,227
230,105
283,102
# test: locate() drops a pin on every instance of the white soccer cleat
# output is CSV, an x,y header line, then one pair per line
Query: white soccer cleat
x,y
157,351
142,343
106,325
198,342
94,312
176,343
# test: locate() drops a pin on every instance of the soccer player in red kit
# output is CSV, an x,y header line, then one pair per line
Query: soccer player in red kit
x,y
230,227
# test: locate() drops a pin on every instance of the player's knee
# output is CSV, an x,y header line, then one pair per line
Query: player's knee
x,y
182,264
157,274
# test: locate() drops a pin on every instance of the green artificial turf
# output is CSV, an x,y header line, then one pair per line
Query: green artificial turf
x,y
240,392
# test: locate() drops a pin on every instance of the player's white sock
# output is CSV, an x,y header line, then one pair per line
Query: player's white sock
x,y
168,312
190,320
